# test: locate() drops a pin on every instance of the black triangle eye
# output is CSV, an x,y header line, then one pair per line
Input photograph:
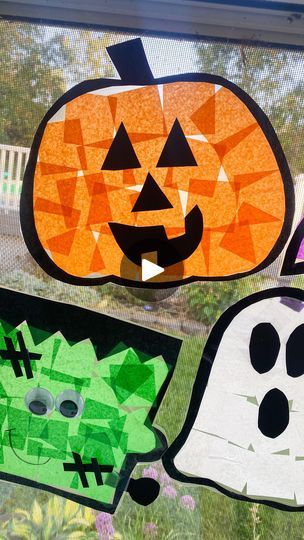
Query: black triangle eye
x,y
176,152
121,154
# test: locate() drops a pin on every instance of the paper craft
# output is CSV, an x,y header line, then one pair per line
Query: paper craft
x,y
244,431
78,394
186,169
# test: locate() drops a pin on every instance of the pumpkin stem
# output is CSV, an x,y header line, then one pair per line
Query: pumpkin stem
x,y
131,62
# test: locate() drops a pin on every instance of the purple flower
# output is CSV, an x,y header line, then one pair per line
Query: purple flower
x,y
150,472
165,478
104,526
188,502
150,529
170,492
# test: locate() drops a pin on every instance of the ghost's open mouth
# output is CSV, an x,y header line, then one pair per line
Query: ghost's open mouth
x,y
135,241
21,459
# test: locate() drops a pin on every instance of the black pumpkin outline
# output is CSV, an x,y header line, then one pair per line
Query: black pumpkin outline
x,y
199,387
127,55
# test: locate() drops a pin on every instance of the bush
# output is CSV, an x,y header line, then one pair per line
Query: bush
x,y
208,300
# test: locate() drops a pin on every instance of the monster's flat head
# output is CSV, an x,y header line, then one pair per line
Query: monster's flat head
x,y
71,421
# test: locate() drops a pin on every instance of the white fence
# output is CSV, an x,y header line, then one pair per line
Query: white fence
x,y
13,160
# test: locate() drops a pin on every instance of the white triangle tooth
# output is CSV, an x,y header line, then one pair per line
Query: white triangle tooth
x,y
112,90
137,187
183,195
59,116
200,137
96,235
160,88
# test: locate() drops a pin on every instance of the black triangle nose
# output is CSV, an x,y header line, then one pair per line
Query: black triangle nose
x,y
151,197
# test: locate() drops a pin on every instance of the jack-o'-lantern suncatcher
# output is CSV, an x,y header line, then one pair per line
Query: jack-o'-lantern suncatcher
x,y
185,171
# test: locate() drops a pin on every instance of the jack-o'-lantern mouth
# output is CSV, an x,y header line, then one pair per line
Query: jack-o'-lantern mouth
x,y
136,241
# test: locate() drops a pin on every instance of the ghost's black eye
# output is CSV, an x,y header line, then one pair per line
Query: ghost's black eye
x,y
39,401
264,347
121,154
176,152
69,403
37,407
294,352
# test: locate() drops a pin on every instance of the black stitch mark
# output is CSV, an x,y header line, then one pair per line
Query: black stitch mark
x,y
16,356
83,468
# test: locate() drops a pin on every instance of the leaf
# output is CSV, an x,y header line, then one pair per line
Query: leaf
x,y
19,514
81,522
70,510
48,529
54,511
89,516
76,535
37,516
21,531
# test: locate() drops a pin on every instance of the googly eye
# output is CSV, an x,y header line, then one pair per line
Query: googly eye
x,y
69,403
39,401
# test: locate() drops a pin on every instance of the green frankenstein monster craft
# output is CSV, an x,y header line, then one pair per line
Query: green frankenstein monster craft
x,y
78,394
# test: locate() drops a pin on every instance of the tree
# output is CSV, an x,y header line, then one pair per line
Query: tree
x,y
288,117
89,57
30,80
37,67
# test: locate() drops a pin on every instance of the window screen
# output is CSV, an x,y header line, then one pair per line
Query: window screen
x,y
39,62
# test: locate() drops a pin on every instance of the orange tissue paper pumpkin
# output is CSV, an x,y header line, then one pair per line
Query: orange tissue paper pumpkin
x,y
184,171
